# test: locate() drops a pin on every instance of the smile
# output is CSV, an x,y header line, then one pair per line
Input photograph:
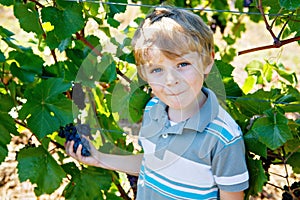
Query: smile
x,y
175,94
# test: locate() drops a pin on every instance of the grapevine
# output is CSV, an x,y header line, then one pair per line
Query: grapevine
x,y
39,81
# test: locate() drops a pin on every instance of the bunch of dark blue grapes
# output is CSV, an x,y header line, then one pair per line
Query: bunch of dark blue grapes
x,y
295,189
71,132
133,182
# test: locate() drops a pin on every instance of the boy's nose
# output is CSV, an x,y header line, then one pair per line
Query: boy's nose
x,y
171,77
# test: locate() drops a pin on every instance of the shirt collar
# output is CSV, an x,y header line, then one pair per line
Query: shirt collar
x,y
199,121
206,114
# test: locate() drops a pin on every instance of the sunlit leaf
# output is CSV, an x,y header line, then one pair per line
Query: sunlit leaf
x,y
47,107
65,21
28,17
272,130
249,83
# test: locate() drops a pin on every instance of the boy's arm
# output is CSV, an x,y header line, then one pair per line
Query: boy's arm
x,y
231,195
129,164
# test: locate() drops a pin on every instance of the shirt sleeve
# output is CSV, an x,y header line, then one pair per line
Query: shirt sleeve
x,y
229,166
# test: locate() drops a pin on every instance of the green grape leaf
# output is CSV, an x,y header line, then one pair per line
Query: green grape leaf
x,y
115,9
96,179
23,75
107,69
128,105
239,4
66,22
293,24
257,177
137,103
7,124
289,76
5,33
92,7
220,5
47,107
71,168
29,65
7,2
254,145
215,82
272,130
290,4
273,5
294,161
256,103
249,84
254,18
64,44
75,55
113,22
2,57
93,69
28,17
231,87
254,68
37,165
267,72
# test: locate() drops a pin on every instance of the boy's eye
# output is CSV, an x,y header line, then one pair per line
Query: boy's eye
x,y
156,70
184,64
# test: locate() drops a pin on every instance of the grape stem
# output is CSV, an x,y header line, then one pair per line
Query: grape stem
x,y
276,186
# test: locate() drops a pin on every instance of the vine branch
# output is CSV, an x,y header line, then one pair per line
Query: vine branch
x,y
282,42
277,42
98,53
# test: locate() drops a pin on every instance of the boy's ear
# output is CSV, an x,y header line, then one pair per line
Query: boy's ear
x,y
209,67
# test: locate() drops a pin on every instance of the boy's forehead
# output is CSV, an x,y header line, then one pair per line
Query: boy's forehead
x,y
156,55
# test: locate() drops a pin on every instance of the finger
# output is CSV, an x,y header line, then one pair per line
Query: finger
x,y
78,152
66,145
70,148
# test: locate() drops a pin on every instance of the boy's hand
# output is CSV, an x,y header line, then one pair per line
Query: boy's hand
x,y
89,160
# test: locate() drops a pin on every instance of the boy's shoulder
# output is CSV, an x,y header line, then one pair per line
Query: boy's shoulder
x,y
224,127
151,103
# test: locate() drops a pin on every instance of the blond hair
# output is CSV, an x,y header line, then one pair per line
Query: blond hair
x,y
174,32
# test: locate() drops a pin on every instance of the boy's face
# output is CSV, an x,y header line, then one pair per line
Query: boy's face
x,y
176,81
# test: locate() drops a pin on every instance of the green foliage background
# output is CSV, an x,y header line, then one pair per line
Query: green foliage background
x,y
42,95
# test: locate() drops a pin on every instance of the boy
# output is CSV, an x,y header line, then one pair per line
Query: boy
x,y
192,148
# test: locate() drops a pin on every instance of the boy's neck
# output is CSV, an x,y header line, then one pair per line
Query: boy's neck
x,y
178,115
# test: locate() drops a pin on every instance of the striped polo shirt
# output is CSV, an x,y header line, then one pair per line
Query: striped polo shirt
x,y
194,158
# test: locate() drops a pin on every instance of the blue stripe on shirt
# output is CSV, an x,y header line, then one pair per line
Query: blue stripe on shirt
x,y
168,191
